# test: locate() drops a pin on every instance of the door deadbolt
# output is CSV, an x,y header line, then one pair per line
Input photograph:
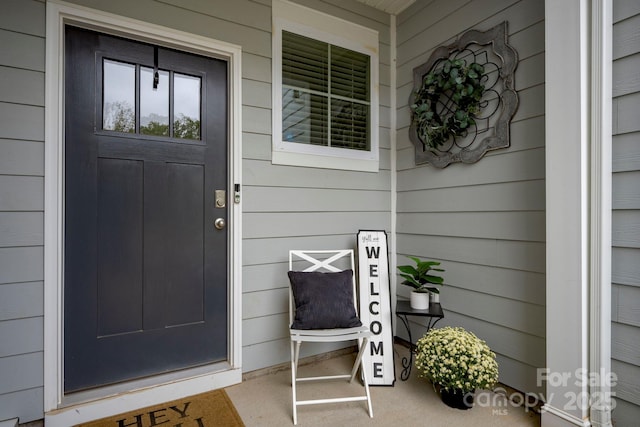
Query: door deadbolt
x,y
219,223
221,198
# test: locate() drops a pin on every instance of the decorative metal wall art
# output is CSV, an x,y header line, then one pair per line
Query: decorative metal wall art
x,y
464,98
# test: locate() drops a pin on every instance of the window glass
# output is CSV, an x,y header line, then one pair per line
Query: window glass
x,y
315,75
186,115
305,62
119,96
349,125
304,117
349,74
154,103
325,90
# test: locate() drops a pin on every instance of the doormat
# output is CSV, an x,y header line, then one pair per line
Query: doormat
x,y
211,409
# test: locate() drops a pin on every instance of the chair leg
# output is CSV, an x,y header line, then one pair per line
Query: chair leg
x,y
295,353
366,388
356,364
359,363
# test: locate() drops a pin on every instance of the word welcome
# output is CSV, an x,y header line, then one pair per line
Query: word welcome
x,y
375,304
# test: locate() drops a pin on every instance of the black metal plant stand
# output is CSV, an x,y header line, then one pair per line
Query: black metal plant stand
x,y
403,309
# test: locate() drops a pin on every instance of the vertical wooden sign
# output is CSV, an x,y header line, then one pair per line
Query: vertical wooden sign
x,y
375,306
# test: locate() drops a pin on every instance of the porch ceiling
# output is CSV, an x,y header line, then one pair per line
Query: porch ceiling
x,y
393,7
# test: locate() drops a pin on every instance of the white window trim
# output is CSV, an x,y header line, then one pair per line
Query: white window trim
x,y
62,412
320,26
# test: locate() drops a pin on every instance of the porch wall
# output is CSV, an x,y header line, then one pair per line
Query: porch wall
x,y
22,63
283,207
286,207
485,221
625,327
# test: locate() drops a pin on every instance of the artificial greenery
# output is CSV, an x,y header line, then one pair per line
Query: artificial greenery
x,y
458,88
420,276
456,359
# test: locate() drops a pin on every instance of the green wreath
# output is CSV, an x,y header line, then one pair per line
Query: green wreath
x,y
455,81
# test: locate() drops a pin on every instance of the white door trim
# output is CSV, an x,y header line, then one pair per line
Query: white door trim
x,y
59,412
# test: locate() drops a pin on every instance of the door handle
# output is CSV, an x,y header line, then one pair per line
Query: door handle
x,y
219,223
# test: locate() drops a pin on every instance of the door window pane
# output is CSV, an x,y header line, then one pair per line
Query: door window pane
x,y
186,106
118,97
154,103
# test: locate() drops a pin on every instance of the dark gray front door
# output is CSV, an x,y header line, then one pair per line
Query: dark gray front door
x,y
145,270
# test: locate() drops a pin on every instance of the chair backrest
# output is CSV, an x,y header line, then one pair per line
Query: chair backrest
x,y
332,260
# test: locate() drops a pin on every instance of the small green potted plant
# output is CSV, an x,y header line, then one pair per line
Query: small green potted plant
x,y
422,279
457,363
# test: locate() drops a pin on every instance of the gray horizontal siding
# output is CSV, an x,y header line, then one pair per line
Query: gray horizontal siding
x,y
21,300
627,37
22,61
496,197
287,207
21,121
21,229
486,221
213,19
625,274
21,86
272,199
21,50
625,268
264,174
296,224
497,253
25,336
21,157
625,341
290,207
267,251
480,225
626,229
23,403
625,153
21,193
628,309
26,17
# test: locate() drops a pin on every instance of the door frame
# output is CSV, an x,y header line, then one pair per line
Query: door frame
x,y
61,410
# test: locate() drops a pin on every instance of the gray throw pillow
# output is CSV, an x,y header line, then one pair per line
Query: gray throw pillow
x,y
323,300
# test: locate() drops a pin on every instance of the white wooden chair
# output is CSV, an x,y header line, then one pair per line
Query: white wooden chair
x,y
326,261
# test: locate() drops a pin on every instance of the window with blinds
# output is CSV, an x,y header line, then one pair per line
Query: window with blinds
x,y
325,94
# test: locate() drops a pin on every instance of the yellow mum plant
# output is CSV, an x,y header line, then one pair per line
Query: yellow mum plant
x,y
456,359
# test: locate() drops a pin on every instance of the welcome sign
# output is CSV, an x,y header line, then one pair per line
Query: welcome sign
x,y
375,306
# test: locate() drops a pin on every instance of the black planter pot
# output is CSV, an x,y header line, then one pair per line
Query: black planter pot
x,y
457,398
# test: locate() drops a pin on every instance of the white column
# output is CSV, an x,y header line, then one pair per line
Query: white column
x,y
600,213
578,143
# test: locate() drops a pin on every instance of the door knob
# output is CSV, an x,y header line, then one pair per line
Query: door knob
x,y
220,223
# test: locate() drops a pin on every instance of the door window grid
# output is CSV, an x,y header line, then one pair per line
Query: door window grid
x,y
177,95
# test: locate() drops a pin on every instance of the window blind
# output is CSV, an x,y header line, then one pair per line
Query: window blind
x,y
325,94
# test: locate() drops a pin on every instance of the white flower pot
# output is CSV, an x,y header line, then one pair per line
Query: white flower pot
x,y
419,300
435,297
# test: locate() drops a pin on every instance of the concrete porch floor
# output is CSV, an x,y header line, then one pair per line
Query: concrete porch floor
x,y
265,401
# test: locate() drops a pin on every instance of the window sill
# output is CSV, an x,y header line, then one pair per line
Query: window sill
x,y
324,162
